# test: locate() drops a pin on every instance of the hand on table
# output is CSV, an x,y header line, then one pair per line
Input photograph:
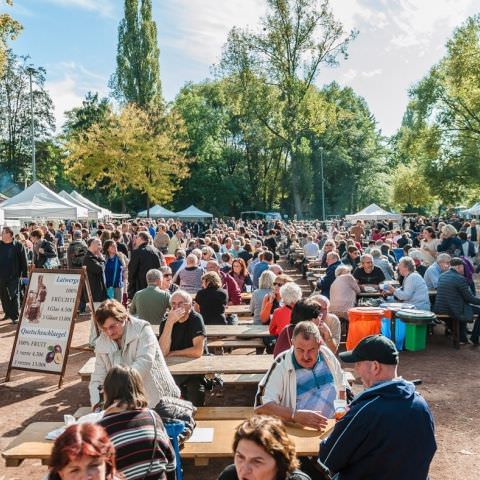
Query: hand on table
x,y
309,418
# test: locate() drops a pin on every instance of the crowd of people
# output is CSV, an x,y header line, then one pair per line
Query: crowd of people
x,y
155,285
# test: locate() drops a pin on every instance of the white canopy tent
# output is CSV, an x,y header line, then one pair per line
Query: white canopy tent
x,y
374,212
193,213
92,213
475,210
2,217
38,201
157,211
103,212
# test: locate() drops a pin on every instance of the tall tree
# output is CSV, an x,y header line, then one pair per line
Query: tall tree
x,y
137,76
15,115
9,29
298,38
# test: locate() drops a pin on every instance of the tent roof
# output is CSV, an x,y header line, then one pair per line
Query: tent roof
x,y
38,201
103,212
193,212
373,212
157,211
92,213
475,210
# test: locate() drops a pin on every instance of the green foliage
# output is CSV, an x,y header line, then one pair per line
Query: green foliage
x,y
410,190
9,29
137,77
15,117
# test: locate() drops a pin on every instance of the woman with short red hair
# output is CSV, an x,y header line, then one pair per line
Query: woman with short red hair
x,y
83,451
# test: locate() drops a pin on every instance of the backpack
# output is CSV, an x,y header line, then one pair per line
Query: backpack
x,y
77,253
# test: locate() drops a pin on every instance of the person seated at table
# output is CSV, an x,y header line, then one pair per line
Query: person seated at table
x,y
433,272
414,289
314,309
388,431
240,274
167,280
190,277
367,273
265,260
328,246
211,300
272,301
287,390
83,451
324,284
137,432
351,257
262,450
228,283
290,293
151,303
343,292
183,334
381,262
450,243
310,249
129,341
265,288
454,298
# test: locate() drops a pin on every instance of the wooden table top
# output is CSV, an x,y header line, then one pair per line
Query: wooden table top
x,y
31,443
240,310
241,331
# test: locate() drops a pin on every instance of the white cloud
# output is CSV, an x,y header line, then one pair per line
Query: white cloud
x,y
103,7
350,74
70,84
372,73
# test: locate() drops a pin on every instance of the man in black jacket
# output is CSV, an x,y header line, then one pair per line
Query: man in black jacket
x,y
13,265
454,298
144,258
388,431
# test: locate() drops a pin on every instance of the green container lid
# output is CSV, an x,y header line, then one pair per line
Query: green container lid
x,y
416,316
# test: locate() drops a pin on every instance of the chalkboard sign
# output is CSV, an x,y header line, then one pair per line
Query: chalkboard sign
x,y
47,320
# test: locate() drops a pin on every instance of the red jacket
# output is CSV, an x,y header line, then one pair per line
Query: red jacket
x,y
231,286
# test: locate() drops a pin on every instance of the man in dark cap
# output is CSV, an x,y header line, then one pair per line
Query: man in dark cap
x,y
388,431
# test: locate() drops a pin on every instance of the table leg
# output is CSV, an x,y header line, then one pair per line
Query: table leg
x,y
201,461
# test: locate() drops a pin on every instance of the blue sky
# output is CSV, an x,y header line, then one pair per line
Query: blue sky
x,y
75,40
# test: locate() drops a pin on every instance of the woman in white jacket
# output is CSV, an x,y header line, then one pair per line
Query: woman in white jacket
x,y
129,341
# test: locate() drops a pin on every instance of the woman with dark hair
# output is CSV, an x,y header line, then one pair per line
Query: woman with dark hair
x,y
211,300
44,254
263,451
83,451
428,246
240,274
114,270
143,449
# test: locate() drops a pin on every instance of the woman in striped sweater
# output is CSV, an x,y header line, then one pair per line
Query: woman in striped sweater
x,y
143,449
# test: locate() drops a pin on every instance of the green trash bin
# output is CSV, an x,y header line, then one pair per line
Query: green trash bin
x,y
417,322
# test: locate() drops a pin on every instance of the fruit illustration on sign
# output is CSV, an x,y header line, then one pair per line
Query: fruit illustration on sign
x,y
54,354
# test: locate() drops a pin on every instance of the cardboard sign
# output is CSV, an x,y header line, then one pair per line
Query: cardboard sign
x,y
46,323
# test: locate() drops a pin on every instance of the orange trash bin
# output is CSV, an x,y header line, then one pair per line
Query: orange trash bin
x,y
363,321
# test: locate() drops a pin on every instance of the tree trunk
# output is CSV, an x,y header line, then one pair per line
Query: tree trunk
x,y
148,206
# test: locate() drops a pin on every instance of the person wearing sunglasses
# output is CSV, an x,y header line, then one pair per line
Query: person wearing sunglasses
x,y
167,280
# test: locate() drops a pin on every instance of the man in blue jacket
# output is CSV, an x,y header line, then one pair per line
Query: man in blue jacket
x,y
388,432
324,284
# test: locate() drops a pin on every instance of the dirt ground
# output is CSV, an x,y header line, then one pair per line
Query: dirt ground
x,y
450,384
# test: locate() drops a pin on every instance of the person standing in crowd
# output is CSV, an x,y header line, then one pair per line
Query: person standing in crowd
x,y
263,451
176,242
44,252
142,447
129,341
76,251
211,300
161,239
388,430
151,303
144,258
167,281
121,246
428,245
115,268
183,334
13,267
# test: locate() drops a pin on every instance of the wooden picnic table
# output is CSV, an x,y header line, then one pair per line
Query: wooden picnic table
x,y
379,293
228,364
31,443
241,331
240,310
246,297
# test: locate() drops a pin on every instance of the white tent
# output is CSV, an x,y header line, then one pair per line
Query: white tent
x,y
157,212
92,213
475,210
374,212
38,201
193,213
2,217
103,212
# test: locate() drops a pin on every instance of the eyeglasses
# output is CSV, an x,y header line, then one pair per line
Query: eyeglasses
x,y
167,275
278,284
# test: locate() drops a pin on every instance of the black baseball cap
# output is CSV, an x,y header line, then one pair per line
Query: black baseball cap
x,y
374,348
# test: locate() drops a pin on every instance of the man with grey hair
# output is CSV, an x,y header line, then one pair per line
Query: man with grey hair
x,y
183,334
441,264
287,390
190,277
324,284
414,289
367,273
151,303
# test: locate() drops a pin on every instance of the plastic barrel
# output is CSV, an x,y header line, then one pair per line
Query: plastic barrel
x,y
363,321
400,329
416,330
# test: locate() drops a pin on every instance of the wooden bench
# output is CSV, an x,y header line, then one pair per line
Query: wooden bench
x,y
31,442
455,327
226,345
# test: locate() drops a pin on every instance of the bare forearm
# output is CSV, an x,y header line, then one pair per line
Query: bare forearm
x,y
165,340
271,408
192,352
